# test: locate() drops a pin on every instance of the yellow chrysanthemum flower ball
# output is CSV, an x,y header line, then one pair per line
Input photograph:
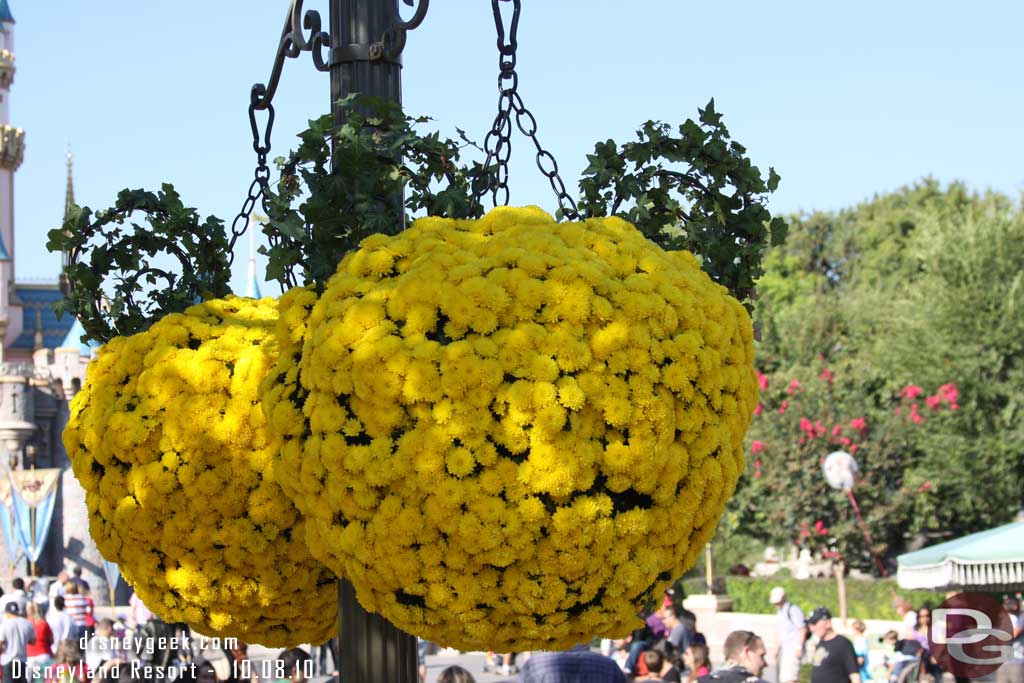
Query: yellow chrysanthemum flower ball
x,y
169,440
511,433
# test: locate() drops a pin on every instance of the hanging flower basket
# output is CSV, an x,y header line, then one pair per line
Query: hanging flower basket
x,y
169,441
510,433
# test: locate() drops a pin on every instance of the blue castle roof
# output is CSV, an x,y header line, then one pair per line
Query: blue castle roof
x,y
36,299
5,13
73,340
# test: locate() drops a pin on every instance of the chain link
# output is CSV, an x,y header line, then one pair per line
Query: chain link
x,y
498,143
259,188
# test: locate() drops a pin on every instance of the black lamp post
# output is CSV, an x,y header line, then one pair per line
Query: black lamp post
x,y
362,52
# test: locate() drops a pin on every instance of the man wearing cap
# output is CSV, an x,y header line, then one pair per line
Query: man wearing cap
x,y
744,660
835,660
792,636
16,632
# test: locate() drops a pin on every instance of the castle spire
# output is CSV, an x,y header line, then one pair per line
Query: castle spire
x,y
69,195
69,200
5,13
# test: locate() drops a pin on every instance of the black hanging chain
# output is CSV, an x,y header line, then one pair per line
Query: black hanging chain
x,y
498,143
259,188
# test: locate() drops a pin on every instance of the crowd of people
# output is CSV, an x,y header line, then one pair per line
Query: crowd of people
x,y
669,649
50,633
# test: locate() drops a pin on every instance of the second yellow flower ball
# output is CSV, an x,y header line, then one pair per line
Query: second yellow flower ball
x,y
169,441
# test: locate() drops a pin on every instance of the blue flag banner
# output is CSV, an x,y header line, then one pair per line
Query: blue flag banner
x,y
7,522
113,573
33,494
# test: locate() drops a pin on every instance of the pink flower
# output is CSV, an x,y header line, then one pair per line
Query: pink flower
x,y
757,474
819,428
954,406
837,430
911,391
803,440
934,402
846,441
826,376
853,448
806,426
757,463
924,487
783,406
914,416
758,410
793,387
949,392
762,380
820,527
756,447
860,424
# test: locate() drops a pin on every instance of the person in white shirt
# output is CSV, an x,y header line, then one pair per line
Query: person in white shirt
x,y
59,621
57,587
792,636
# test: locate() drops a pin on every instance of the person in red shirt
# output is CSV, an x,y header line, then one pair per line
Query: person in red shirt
x,y
39,653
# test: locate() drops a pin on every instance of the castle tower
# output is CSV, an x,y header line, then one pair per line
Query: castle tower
x,y
12,151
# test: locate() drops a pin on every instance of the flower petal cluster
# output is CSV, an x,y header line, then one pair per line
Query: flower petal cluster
x,y
169,440
510,433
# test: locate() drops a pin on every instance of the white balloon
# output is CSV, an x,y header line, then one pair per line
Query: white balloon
x,y
840,470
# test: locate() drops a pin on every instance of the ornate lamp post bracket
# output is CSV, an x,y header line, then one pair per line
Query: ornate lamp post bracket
x,y
303,32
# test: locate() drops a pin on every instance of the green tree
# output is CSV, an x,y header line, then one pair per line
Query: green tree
x,y
921,286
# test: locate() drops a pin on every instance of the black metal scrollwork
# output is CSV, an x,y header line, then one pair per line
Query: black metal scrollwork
x,y
303,32
293,43
393,41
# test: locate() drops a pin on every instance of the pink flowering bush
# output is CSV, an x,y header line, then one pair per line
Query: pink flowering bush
x,y
783,497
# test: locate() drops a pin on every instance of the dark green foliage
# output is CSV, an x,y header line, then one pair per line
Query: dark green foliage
x,y
695,191
104,248
711,203
344,183
373,172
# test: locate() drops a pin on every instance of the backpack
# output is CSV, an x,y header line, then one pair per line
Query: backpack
x,y
789,616
734,674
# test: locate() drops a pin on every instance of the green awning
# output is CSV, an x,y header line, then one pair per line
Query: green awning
x,y
992,558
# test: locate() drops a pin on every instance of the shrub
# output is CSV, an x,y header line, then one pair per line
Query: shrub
x,y
865,599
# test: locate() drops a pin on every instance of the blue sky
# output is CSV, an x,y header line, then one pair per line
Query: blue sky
x,y
845,100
